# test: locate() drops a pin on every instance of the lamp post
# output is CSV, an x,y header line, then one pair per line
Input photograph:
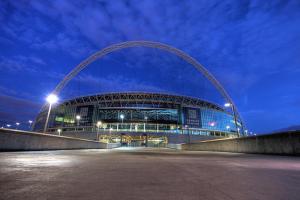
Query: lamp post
x,y
30,123
110,134
99,124
188,130
227,127
59,131
51,99
17,125
146,118
78,119
229,105
122,118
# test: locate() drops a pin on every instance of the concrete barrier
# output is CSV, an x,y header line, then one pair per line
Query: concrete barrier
x,y
185,138
113,145
80,135
287,143
16,140
174,146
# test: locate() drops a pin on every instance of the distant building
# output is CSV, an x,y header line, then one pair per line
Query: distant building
x,y
138,118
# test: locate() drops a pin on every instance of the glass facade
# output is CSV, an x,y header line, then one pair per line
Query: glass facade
x,y
216,120
159,115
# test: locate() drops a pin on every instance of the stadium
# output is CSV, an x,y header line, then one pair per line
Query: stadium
x,y
139,119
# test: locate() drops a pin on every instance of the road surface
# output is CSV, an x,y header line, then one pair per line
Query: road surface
x,y
146,173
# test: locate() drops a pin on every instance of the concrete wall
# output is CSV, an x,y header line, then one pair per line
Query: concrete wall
x,y
184,138
81,135
287,143
15,140
174,146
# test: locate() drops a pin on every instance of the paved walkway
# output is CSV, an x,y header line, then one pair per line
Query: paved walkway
x,y
142,173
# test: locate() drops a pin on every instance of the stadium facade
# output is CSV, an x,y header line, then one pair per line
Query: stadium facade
x,y
138,118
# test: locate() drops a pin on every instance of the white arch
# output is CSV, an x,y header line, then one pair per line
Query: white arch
x,y
156,45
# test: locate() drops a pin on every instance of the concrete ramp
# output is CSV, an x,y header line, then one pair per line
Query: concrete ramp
x,y
17,140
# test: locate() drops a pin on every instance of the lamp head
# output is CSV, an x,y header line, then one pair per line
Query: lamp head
x,y
99,123
227,105
52,98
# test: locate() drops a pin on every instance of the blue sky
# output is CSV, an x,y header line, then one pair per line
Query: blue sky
x,y
252,48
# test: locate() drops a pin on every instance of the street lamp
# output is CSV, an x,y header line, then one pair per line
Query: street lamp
x,y
77,119
122,118
230,105
99,124
8,125
146,118
188,131
110,130
17,125
227,105
30,123
51,99
212,124
59,131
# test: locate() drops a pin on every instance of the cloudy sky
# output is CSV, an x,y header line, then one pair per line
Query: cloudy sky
x,y
251,47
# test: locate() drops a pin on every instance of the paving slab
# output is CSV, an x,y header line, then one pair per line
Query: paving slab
x,y
147,173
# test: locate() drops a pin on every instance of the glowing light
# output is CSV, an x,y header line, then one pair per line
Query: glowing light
x,y
8,125
212,123
17,123
30,121
78,117
52,98
227,105
99,123
227,127
122,116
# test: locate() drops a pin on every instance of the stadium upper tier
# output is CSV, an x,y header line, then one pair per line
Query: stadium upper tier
x,y
139,112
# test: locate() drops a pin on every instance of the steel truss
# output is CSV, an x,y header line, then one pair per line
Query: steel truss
x,y
141,100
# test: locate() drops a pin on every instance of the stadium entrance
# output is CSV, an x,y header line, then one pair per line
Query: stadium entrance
x,y
129,140
143,140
